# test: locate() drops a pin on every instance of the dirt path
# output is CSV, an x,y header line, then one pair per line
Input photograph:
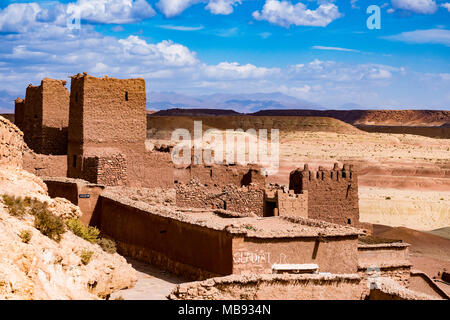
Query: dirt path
x,y
152,284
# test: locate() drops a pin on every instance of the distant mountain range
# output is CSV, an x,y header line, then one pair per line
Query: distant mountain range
x,y
244,103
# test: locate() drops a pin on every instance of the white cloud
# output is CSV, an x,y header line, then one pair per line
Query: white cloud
x,y
417,6
234,70
222,6
172,8
437,36
113,11
334,49
446,6
180,28
285,14
171,54
22,17
18,17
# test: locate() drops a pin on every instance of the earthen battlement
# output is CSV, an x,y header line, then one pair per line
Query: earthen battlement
x,y
332,194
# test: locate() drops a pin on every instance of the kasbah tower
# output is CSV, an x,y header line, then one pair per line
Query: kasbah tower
x,y
107,128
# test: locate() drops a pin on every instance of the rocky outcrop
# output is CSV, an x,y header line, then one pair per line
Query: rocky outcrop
x,y
11,144
33,266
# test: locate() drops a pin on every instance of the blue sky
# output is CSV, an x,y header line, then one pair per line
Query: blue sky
x,y
315,50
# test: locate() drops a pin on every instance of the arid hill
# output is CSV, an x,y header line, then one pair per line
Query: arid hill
x,y
355,117
196,112
372,117
284,124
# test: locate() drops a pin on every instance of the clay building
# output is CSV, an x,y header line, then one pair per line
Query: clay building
x,y
332,194
107,128
43,116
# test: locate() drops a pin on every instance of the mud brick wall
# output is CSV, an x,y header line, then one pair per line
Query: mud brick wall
x,y
108,113
274,287
332,194
11,144
45,165
158,171
400,273
222,175
197,195
32,117
79,192
19,112
182,248
257,255
291,204
383,254
238,199
109,170
44,116
244,200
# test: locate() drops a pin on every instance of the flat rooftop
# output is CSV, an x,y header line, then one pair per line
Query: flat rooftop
x,y
255,227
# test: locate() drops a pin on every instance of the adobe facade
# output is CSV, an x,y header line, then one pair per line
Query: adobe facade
x,y
332,194
107,118
43,116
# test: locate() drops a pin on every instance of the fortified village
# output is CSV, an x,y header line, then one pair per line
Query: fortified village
x,y
221,225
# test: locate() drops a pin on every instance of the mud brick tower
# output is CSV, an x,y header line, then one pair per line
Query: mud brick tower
x,y
332,194
107,129
44,115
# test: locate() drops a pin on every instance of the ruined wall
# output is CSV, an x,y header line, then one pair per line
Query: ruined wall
x,y
332,194
386,254
19,112
182,248
104,166
421,282
11,144
400,274
79,192
107,113
257,255
158,171
279,202
274,287
55,117
247,200
45,165
44,116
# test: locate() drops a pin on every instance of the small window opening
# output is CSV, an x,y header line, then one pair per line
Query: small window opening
x,y
349,221
35,116
126,95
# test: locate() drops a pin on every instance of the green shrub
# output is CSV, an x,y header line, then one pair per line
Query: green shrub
x,y
49,224
87,233
15,205
86,256
37,207
25,235
250,227
107,245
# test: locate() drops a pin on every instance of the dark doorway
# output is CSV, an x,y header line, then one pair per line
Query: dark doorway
x,y
246,179
269,208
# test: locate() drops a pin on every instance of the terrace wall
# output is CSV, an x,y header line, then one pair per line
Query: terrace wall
x,y
185,249
257,255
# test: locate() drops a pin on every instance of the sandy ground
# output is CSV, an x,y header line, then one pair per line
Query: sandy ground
x,y
152,284
420,210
